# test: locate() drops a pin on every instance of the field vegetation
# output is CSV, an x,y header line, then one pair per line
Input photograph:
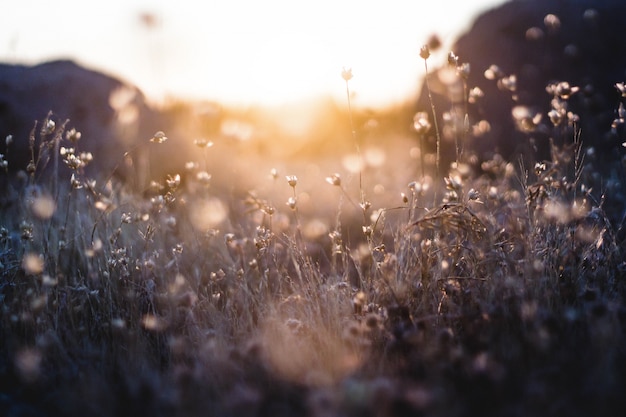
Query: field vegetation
x,y
359,274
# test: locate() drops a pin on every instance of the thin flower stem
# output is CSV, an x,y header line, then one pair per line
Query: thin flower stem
x,y
356,143
432,106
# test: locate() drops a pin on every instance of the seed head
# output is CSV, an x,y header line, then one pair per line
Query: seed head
x,y
475,94
48,127
463,70
424,52
334,179
421,123
453,59
292,180
346,74
159,137
203,143
73,135
203,177
75,182
493,72
173,181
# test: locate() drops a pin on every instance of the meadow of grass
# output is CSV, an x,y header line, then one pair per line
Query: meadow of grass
x,y
371,281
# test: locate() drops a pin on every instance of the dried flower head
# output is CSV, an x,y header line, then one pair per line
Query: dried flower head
x,y
334,179
48,127
463,70
421,123
292,180
424,52
453,60
346,74
493,72
159,137
203,143
475,94
73,135
203,177
173,181
563,90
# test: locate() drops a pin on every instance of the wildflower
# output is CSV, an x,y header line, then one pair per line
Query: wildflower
x,y
463,70
365,205
274,173
203,177
526,119
405,199
9,140
292,180
73,135
508,83
421,123
291,202
334,179
26,230
563,90
159,137
453,59
72,160
556,117
493,72
173,181
191,166
368,231
346,74
475,94
424,52
48,127
453,183
203,143
86,157
157,202
473,195
4,164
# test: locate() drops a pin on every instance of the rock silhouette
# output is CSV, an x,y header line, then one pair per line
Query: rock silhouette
x,y
109,114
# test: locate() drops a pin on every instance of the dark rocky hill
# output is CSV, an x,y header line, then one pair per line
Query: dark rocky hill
x,y
582,42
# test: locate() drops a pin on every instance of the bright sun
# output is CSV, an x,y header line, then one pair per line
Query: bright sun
x,y
242,51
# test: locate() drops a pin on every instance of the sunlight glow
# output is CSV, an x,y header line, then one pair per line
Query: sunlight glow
x,y
241,51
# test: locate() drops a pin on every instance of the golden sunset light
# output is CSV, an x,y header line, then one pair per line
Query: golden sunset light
x,y
243,51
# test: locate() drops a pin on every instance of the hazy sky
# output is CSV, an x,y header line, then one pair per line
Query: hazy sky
x,y
240,51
